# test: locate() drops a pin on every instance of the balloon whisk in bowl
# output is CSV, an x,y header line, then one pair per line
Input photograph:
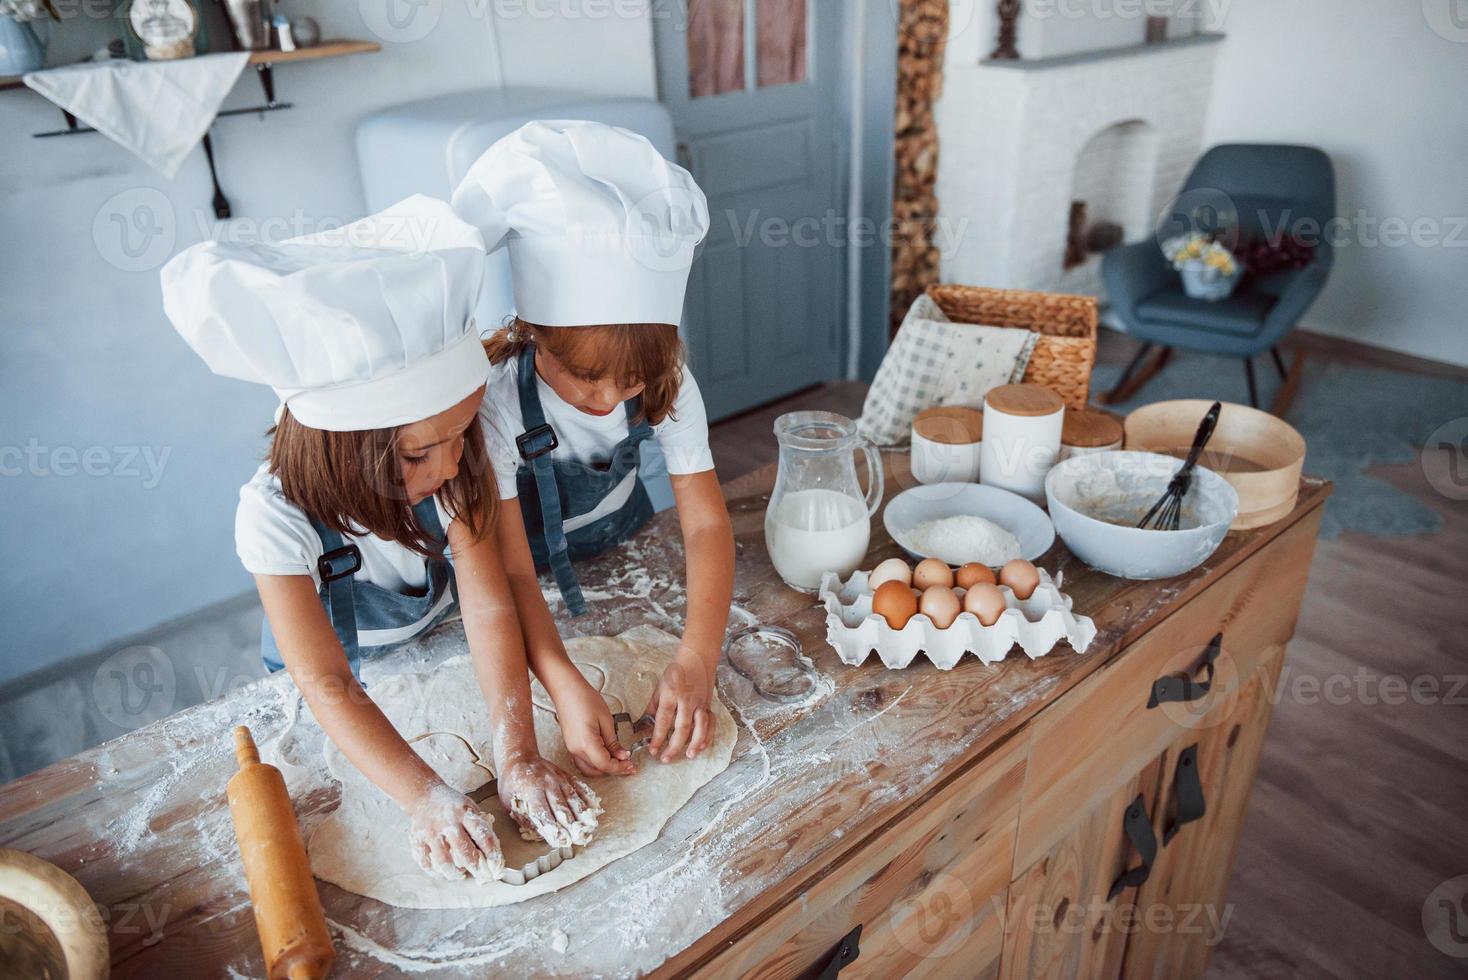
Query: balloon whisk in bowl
x,y
1167,513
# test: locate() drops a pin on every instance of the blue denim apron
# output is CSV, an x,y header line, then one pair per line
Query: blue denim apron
x,y
553,491
362,606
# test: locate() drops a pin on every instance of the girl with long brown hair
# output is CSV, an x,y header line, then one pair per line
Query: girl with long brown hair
x,y
373,517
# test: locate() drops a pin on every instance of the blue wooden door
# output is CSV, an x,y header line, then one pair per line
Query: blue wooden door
x,y
753,89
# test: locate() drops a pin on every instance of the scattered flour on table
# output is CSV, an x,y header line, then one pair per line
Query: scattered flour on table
x,y
962,539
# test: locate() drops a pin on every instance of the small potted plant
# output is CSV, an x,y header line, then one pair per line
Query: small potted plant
x,y
1209,270
22,48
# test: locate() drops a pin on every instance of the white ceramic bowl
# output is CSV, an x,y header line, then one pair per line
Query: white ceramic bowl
x,y
936,501
1122,486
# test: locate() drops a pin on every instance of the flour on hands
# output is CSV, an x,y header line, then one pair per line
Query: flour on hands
x,y
451,838
547,804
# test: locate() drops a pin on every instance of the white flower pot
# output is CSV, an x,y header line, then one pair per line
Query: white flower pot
x,y
1202,281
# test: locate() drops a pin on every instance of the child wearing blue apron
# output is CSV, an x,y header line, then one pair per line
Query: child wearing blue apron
x,y
374,512
601,232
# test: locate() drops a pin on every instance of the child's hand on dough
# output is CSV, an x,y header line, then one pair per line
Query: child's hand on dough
x,y
683,723
547,803
451,838
590,733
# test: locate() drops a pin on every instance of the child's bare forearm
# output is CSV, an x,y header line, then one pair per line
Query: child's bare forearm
x,y
506,690
367,738
708,542
317,663
544,651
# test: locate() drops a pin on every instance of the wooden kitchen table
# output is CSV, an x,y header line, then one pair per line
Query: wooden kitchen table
x,y
975,822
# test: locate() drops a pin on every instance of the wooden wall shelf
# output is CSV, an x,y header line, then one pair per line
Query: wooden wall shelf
x,y
263,63
326,49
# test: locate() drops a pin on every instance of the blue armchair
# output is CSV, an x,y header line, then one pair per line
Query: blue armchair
x,y
1273,189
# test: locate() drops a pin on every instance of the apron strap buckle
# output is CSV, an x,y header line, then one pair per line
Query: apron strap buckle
x,y
339,563
536,442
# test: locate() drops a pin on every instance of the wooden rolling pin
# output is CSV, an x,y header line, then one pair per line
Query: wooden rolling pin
x,y
288,912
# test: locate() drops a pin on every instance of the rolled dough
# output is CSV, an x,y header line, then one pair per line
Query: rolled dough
x,y
362,846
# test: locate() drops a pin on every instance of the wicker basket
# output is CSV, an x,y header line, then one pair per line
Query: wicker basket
x,y
1063,358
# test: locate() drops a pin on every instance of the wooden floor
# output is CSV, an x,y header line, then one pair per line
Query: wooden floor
x,y
1361,808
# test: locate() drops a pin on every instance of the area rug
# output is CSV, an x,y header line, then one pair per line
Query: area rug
x,y
1352,419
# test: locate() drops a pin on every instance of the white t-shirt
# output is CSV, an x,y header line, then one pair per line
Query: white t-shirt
x,y
274,537
683,435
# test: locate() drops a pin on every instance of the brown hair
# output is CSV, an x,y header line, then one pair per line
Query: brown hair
x,y
648,354
353,482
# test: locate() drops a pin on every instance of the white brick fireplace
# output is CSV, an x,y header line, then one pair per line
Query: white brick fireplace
x,y
1020,140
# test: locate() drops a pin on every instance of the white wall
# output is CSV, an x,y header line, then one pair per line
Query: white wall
x,y
1053,28
1380,87
97,543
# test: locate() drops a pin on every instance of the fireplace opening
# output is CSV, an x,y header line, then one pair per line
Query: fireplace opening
x,y
1111,197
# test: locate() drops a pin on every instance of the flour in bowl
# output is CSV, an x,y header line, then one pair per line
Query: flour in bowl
x,y
962,539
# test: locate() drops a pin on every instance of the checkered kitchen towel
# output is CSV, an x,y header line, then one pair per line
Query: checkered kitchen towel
x,y
934,361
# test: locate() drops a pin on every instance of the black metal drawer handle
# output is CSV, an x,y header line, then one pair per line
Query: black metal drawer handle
x,y
1187,793
1175,688
1138,830
843,956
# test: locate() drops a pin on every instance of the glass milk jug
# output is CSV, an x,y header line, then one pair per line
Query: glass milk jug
x,y
819,520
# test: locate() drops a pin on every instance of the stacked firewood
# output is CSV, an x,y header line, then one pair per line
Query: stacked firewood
x,y
921,32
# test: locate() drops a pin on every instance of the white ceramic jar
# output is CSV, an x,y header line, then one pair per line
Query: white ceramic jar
x,y
1089,430
1022,425
945,444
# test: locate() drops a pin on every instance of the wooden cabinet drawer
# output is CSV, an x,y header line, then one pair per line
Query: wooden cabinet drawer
x,y
1063,918
1190,876
928,890
1060,906
1101,734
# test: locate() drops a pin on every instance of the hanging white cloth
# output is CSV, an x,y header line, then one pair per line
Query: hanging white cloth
x,y
157,109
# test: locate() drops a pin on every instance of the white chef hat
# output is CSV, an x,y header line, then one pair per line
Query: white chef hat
x,y
368,326
600,227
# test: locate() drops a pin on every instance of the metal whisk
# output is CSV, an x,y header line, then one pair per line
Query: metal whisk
x,y
1167,513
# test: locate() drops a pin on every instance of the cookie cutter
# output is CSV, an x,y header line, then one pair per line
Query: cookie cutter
x,y
641,728
781,636
547,862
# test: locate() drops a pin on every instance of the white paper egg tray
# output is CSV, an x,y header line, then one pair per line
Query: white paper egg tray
x,y
1036,624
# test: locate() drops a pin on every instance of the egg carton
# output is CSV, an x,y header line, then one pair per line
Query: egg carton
x,y
1036,624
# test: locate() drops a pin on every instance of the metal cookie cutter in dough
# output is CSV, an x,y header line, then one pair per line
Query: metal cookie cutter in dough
x,y
531,870
641,730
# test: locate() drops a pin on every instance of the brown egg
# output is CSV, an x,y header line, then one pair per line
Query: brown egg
x,y
931,572
896,603
985,601
1021,577
940,605
974,574
891,570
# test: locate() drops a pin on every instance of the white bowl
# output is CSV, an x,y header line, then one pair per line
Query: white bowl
x,y
1122,486
936,501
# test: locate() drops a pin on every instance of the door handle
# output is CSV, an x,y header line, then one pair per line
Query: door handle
x,y
1138,830
685,156
1187,793
841,957
1176,688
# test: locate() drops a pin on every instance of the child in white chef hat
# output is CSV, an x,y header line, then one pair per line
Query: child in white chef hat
x,y
376,475
601,232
